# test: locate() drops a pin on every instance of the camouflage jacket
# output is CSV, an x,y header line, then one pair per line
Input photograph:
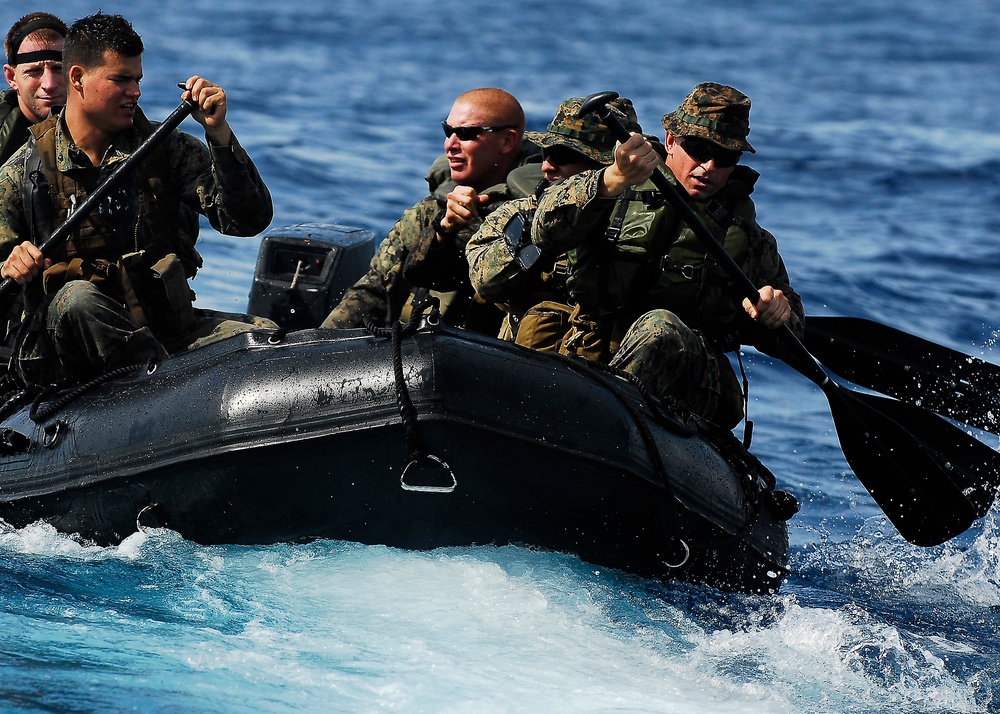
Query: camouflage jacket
x,y
571,213
493,270
221,183
409,257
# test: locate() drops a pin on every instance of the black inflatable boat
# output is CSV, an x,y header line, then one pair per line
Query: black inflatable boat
x,y
421,437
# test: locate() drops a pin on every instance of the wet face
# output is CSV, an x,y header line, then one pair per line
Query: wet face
x,y
480,161
108,94
702,179
39,85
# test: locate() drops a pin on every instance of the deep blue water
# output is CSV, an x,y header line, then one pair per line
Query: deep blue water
x,y
877,136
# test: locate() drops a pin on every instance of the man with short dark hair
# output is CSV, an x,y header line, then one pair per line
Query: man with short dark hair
x,y
115,293
426,247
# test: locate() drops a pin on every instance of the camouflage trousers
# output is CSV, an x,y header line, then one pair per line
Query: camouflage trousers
x,y
675,362
82,333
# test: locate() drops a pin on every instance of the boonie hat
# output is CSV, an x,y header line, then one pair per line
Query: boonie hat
x,y
715,112
586,135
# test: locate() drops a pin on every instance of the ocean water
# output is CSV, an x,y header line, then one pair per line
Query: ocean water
x,y
879,145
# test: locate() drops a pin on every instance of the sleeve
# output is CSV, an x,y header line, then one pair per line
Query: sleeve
x,y
569,212
439,265
766,267
443,264
382,291
493,270
222,183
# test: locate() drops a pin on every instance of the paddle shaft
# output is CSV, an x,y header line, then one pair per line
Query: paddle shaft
x,y
73,221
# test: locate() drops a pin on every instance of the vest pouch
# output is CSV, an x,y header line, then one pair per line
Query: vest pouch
x,y
544,326
158,296
587,337
57,275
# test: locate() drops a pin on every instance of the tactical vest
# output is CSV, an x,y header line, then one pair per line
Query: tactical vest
x,y
652,260
141,217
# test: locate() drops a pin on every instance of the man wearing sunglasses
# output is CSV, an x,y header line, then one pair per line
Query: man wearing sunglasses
x,y
504,264
425,250
647,297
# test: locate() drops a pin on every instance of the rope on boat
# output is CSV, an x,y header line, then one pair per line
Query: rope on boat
x,y
37,414
418,455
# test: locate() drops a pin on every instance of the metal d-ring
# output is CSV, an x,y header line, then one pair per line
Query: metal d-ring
x,y
684,560
138,518
52,433
429,489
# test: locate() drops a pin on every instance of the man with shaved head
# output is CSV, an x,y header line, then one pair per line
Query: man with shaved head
x,y
425,250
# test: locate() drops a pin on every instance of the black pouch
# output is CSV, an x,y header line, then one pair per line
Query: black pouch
x,y
158,296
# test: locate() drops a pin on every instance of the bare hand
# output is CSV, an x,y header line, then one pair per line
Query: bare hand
x,y
462,208
24,263
211,112
772,309
635,161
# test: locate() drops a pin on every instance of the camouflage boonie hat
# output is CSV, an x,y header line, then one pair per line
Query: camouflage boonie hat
x,y
715,112
586,135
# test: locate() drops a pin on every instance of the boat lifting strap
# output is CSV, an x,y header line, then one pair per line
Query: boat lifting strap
x,y
423,471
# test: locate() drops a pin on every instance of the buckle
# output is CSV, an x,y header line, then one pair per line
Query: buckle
x,y
688,272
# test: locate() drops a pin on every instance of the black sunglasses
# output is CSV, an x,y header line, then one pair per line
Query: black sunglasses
x,y
560,155
468,133
703,150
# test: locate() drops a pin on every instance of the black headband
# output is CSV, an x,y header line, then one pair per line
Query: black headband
x,y
40,24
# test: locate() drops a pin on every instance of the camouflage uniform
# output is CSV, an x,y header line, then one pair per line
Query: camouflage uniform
x,y
496,272
80,329
408,257
13,133
643,333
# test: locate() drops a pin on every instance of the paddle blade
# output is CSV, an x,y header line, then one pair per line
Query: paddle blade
x,y
931,479
910,368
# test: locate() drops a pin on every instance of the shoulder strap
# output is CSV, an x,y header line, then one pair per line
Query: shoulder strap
x,y
35,194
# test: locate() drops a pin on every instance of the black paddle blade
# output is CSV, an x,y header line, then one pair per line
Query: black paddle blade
x,y
909,368
931,479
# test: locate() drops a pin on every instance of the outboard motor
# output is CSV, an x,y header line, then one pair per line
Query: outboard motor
x,y
303,270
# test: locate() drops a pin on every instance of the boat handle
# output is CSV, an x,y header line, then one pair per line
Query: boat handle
x,y
429,489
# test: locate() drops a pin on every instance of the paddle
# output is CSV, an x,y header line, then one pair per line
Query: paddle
x,y
879,357
930,478
83,210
